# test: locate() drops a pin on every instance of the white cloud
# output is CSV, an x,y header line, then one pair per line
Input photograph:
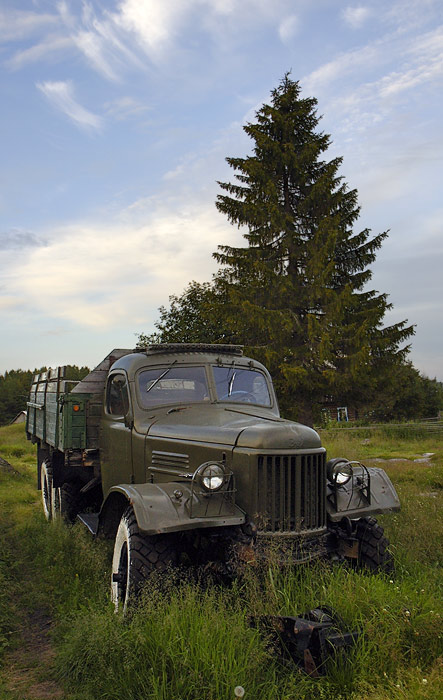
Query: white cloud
x,y
154,23
19,24
98,40
91,45
112,39
50,44
124,107
340,67
357,104
356,16
61,95
159,25
288,28
426,56
99,276
9,303
410,15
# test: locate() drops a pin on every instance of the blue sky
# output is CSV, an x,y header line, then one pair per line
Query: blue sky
x,y
116,119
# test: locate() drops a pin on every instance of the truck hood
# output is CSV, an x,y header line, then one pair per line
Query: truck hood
x,y
237,427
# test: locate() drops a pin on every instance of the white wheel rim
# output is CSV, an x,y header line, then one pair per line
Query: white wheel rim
x,y
46,484
55,502
121,546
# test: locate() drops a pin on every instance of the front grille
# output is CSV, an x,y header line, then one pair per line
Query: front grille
x,y
291,493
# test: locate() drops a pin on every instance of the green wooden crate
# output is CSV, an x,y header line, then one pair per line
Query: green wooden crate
x,y
72,433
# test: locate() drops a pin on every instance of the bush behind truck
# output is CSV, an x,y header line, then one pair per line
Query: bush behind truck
x,y
178,452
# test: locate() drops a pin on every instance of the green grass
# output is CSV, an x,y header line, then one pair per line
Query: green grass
x,y
190,641
389,442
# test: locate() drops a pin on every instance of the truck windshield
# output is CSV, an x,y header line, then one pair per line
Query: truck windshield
x,y
241,385
172,385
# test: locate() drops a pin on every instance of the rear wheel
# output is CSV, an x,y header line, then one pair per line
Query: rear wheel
x,y
65,502
136,556
46,487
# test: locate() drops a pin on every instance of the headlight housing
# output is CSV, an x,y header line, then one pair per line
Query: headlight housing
x,y
339,471
212,476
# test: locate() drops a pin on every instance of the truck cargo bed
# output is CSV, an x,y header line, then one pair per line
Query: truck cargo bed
x,y
64,413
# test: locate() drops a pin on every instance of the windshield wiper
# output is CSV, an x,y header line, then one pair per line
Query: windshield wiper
x,y
231,383
163,374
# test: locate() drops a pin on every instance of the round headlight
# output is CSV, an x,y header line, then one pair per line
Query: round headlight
x,y
339,471
212,477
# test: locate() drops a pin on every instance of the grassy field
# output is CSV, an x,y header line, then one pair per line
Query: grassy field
x,y
59,637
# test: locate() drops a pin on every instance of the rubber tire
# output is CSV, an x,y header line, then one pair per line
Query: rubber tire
x,y
46,488
373,547
136,557
65,502
55,502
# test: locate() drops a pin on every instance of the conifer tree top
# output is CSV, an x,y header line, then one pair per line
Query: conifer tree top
x,y
300,282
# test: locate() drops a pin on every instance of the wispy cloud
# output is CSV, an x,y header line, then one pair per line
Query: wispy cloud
x,y
359,103
288,28
154,23
125,107
19,24
159,27
356,16
114,39
61,95
342,66
50,45
409,15
91,45
426,56
98,40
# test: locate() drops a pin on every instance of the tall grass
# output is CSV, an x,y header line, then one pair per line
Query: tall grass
x,y
191,640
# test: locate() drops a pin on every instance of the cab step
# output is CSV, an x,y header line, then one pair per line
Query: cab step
x,y
90,520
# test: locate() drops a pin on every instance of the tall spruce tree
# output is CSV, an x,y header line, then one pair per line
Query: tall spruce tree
x,y
297,292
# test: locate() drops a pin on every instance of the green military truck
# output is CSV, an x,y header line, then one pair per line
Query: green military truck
x,y
178,452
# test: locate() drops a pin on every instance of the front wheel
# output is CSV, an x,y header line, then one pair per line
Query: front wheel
x,y
373,552
136,556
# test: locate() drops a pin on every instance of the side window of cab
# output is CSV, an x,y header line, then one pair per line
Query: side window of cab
x,y
117,397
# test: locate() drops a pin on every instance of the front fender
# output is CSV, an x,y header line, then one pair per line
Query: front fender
x,y
350,500
160,508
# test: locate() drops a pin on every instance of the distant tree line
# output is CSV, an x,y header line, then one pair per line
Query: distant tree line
x,y
16,384
297,295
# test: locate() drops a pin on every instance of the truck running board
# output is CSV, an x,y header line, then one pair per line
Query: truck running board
x,y
90,520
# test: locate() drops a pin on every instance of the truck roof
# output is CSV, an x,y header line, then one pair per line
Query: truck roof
x,y
94,382
184,353
163,348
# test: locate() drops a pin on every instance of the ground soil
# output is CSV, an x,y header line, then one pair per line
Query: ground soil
x,y
25,672
6,467
25,667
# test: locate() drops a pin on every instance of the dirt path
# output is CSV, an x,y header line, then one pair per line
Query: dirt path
x,y
6,467
26,668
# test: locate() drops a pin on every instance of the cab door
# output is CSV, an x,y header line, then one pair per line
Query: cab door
x,y
116,433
